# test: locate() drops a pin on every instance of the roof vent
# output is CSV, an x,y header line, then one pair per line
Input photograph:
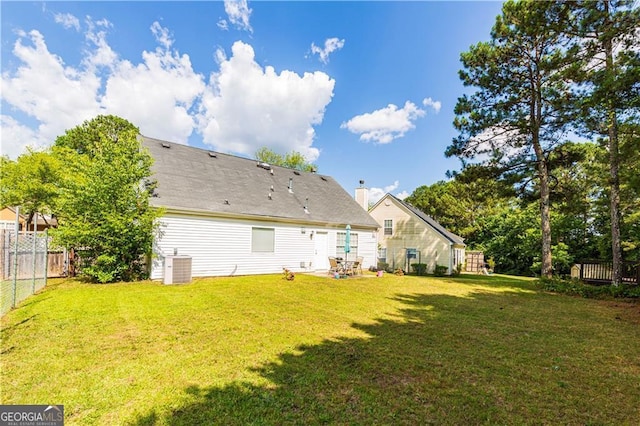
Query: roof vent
x,y
265,166
213,154
226,202
295,172
291,185
323,178
166,145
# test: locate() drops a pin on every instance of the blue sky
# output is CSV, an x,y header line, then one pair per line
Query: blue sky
x,y
365,90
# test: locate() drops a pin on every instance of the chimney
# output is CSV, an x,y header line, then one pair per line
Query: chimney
x,y
362,196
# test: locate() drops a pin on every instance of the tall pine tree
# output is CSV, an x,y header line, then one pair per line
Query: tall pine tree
x,y
518,112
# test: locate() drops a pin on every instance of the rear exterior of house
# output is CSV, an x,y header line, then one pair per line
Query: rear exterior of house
x,y
235,216
409,236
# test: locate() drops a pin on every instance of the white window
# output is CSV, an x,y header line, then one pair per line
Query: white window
x,y
7,224
388,227
382,255
353,244
262,240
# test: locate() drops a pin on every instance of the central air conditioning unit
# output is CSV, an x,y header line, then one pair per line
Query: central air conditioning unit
x,y
177,269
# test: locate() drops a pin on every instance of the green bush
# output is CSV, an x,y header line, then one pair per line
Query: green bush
x,y
103,269
457,270
383,266
576,287
440,270
419,268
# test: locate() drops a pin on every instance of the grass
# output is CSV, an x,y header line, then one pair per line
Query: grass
x,y
263,350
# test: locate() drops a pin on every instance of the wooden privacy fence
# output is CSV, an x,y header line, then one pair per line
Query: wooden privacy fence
x,y
57,260
474,261
601,272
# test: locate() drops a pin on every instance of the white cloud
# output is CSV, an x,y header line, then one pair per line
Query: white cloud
x,y
436,105
57,96
67,20
496,141
156,95
246,107
239,13
162,35
375,194
330,46
402,195
16,137
384,125
101,55
223,25
243,106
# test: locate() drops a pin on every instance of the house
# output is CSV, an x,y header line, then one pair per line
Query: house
x,y
8,220
236,216
407,236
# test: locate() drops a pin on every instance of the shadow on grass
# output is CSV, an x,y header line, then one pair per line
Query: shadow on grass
x,y
494,280
439,362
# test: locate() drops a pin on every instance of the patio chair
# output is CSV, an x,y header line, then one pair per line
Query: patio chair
x,y
357,265
333,265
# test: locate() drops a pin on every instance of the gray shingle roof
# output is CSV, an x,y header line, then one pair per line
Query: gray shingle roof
x,y
431,221
198,180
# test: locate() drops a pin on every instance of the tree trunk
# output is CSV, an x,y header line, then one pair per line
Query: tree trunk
x,y
614,161
545,215
543,171
545,219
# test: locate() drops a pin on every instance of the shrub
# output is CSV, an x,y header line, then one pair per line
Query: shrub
x,y
492,263
419,268
576,287
440,270
383,266
458,269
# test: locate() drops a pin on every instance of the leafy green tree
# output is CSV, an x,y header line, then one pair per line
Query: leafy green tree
x,y
630,190
576,185
458,204
30,182
606,33
103,207
518,112
293,160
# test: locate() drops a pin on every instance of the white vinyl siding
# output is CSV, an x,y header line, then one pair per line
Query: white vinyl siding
x,y
223,247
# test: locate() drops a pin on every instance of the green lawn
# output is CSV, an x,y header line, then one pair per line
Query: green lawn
x,y
263,350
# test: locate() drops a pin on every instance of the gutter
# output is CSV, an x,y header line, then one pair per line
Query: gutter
x,y
222,215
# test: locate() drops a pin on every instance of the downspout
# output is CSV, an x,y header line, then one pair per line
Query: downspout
x,y
451,258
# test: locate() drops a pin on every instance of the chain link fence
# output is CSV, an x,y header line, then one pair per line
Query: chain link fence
x,y
23,266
